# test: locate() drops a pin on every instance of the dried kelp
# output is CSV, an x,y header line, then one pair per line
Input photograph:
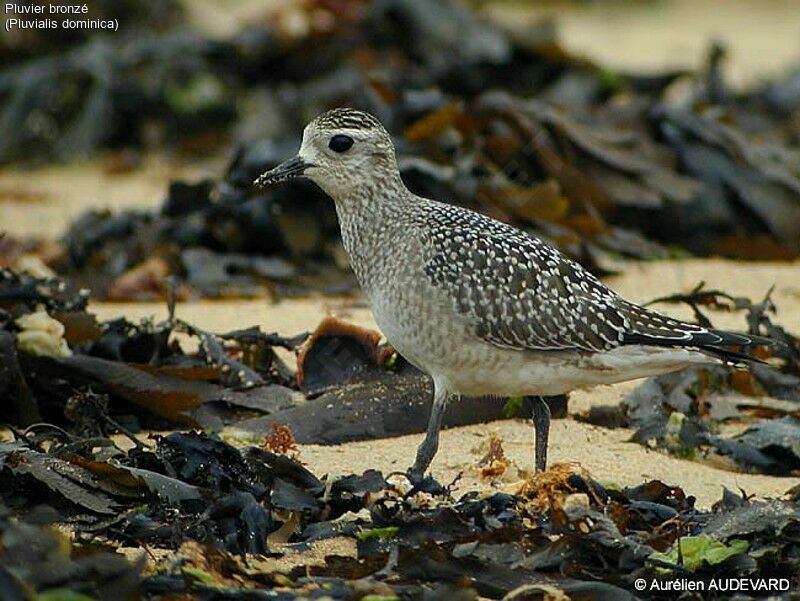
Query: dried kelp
x,y
243,519
361,389
593,160
57,355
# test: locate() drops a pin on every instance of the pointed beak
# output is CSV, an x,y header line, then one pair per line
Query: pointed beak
x,y
290,169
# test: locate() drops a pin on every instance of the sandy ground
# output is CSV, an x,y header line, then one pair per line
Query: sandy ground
x,y
640,283
42,201
762,36
605,453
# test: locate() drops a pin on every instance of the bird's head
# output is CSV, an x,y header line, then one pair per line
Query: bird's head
x,y
343,150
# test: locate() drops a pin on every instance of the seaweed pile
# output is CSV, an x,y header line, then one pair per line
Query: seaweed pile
x,y
255,524
509,124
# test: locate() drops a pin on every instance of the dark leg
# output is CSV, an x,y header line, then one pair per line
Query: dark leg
x,y
541,424
427,449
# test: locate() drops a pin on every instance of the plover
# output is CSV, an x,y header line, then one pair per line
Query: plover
x,y
482,307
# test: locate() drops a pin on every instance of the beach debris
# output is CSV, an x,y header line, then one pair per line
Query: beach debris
x,y
361,389
339,352
238,518
683,412
41,335
590,159
493,463
281,441
36,558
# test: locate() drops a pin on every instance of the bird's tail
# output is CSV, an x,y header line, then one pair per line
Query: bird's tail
x,y
653,329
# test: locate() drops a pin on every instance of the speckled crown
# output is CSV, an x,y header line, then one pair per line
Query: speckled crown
x,y
347,118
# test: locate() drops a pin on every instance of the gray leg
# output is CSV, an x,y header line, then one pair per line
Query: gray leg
x,y
427,449
541,424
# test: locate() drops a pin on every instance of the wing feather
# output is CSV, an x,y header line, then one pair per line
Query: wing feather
x,y
521,293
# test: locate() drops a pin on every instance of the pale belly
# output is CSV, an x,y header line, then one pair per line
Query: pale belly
x,y
503,372
466,365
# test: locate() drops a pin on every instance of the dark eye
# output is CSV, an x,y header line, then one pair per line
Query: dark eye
x,y
340,143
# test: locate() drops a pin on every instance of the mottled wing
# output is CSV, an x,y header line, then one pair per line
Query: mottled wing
x,y
522,293
519,291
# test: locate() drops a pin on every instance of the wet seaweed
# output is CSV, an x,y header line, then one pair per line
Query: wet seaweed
x,y
592,160
239,519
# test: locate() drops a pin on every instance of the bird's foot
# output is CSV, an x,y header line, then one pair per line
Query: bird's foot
x,y
422,483
415,476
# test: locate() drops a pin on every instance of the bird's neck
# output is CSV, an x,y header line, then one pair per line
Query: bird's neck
x,y
367,216
370,204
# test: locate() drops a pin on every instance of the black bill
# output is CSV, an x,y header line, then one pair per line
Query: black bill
x,y
287,170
